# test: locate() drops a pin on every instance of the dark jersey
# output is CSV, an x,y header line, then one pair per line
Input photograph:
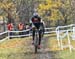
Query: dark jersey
x,y
36,19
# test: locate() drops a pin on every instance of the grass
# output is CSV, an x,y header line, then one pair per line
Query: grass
x,y
67,55
20,45
14,46
63,54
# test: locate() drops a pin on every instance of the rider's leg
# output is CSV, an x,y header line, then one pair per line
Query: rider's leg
x,y
39,37
33,35
39,45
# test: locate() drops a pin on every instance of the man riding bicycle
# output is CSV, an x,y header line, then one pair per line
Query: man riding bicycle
x,y
36,22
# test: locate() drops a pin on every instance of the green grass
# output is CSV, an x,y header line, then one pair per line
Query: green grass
x,y
65,54
62,54
20,45
13,46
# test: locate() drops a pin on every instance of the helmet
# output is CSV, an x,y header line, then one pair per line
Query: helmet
x,y
34,14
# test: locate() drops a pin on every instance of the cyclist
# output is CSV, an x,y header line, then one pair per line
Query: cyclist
x,y
36,22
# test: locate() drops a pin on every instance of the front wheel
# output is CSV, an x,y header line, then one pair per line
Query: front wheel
x,y
36,47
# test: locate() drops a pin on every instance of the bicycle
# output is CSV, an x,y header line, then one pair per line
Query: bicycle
x,y
36,39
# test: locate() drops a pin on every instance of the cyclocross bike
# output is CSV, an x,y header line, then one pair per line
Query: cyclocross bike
x,y
36,39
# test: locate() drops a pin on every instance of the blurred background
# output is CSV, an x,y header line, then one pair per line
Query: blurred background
x,y
53,12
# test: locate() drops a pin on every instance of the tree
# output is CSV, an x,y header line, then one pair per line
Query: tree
x,y
57,10
50,10
8,8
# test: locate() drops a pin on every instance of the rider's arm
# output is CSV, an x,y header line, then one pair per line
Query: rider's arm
x,y
31,23
43,25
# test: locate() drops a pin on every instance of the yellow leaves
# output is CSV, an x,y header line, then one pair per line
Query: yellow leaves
x,y
41,6
11,43
1,17
53,6
67,4
5,5
48,6
59,4
56,14
1,5
9,5
49,1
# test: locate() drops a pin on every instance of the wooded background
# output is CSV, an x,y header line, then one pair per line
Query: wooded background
x,y
53,12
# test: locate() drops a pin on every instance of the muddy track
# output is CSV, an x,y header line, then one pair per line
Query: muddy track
x,y
43,53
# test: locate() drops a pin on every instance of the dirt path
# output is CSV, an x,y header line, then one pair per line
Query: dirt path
x,y
43,53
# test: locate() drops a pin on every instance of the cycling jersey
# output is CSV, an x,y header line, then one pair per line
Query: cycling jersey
x,y
36,21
